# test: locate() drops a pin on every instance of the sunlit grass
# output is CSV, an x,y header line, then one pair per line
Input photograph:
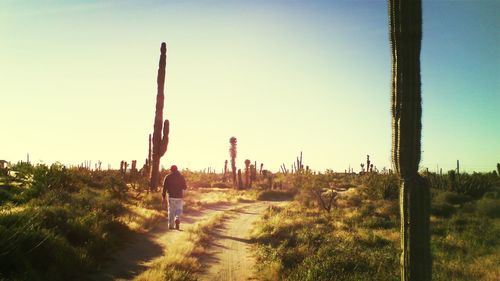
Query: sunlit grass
x,y
199,198
182,261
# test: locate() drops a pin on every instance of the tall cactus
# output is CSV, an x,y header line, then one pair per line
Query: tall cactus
x,y
367,162
159,141
225,171
406,36
232,154
247,173
240,181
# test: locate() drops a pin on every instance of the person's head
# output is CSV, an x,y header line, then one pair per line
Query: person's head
x,y
173,168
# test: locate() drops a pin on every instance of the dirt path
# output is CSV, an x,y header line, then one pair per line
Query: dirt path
x,y
230,257
145,248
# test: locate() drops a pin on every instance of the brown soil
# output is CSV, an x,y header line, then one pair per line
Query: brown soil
x,y
144,248
230,257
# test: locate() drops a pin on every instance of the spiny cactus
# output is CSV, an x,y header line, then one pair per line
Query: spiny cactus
x,y
148,160
159,140
406,36
225,171
240,182
253,174
247,173
232,154
367,162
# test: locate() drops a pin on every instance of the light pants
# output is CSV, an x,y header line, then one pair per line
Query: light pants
x,y
174,209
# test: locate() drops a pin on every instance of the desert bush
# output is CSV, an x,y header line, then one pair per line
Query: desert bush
x,y
474,185
442,209
488,207
307,246
59,223
376,222
200,179
380,186
221,185
275,195
451,198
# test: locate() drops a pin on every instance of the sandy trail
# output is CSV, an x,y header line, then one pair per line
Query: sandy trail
x,y
230,257
144,248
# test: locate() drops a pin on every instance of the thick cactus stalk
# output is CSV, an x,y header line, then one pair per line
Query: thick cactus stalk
x,y
406,36
159,140
367,162
247,173
225,171
232,154
240,181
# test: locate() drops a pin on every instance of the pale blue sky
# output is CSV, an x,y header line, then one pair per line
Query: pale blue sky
x,y
78,81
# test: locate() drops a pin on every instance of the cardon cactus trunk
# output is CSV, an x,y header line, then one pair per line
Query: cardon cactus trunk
x,y
225,171
159,140
232,154
148,161
406,36
367,163
240,181
247,173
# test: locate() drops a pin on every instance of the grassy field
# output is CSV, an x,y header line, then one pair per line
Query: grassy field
x,y
59,223
359,238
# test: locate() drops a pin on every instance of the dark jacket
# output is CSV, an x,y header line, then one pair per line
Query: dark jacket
x,y
174,184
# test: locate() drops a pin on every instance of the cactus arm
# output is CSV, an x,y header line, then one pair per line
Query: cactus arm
x,y
164,140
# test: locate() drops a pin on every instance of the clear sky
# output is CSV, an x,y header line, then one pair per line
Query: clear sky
x,y
78,82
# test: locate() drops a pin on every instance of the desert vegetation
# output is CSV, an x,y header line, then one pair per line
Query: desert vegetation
x,y
358,237
61,223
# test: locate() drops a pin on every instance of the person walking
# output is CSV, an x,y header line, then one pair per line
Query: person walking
x,y
174,184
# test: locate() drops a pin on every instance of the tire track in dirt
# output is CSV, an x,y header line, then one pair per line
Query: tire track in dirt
x,y
144,248
230,257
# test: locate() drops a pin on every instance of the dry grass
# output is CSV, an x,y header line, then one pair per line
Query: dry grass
x,y
145,211
182,262
199,198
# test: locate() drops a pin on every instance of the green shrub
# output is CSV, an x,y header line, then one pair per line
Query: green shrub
x,y
275,195
221,185
62,228
451,198
442,209
379,186
488,207
376,222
